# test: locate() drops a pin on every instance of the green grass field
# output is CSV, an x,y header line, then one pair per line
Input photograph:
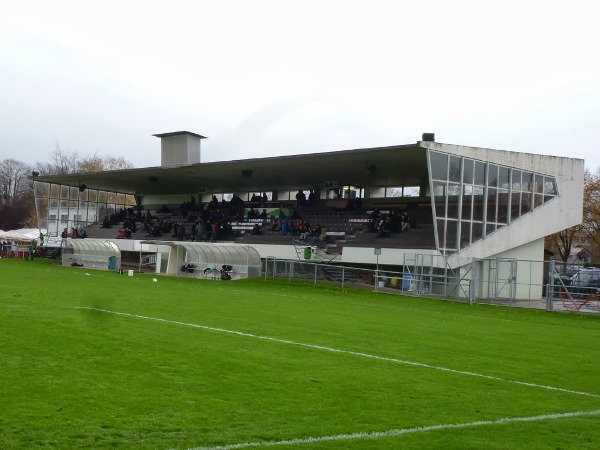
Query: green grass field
x,y
92,359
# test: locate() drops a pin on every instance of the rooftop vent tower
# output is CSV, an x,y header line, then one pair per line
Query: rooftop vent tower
x,y
179,148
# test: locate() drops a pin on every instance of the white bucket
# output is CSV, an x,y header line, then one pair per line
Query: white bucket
x,y
130,273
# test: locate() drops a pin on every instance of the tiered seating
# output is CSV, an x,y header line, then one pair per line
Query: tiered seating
x,y
342,228
422,237
336,220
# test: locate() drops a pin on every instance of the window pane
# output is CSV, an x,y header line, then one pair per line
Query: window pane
x,y
467,202
441,231
503,177
454,172
539,184
440,198
502,206
525,202
411,191
527,184
453,189
469,165
492,175
516,180
439,165
515,210
375,192
451,234
550,186
453,196
477,231
479,173
478,203
538,200
465,234
491,205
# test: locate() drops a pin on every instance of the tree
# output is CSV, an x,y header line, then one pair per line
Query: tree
x,y
13,179
95,163
588,233
563,241
591,210
66,162
16,195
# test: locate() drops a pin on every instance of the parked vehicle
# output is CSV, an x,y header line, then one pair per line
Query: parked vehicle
x,y
585,282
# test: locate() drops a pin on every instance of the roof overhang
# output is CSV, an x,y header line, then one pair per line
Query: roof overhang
x,y
381,166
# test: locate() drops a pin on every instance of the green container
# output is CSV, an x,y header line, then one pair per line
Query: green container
x,y
307,253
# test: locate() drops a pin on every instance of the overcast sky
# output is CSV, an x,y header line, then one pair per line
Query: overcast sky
x,y
267,78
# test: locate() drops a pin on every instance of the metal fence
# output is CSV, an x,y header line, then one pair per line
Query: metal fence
x,y
498,281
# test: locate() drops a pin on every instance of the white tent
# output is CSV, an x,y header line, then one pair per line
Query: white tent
x,y
22,234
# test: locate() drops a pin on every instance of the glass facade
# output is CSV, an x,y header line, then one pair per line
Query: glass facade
x,y
59,207
472,199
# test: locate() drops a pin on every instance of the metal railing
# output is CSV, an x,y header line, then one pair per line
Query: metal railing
x,y
502,282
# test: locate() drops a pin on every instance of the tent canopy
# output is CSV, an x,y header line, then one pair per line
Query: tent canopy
x,y
22,234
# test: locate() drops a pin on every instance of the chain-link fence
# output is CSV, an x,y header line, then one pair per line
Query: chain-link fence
x,y
499,281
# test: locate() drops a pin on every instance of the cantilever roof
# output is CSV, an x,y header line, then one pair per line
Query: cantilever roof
x,y
391,166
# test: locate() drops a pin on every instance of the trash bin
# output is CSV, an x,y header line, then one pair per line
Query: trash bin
x,y
112,262
406,282
307,252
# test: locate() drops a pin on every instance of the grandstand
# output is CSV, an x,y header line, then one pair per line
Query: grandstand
x,y
471,209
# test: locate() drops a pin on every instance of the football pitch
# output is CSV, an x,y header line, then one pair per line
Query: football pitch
x,y
97,360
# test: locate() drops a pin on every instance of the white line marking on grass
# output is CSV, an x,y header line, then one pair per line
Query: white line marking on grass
x,y
346,352
399,432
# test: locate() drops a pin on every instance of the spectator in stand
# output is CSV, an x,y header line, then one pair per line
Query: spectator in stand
x,y
405,221
316,234
147,219
263,214
306,230
376,220
298,229
312,198
73,233
300,198
121,234
284,226
218,215
64,234
198,230
383,229
214,228
256,229
252,214
106,222
276,225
